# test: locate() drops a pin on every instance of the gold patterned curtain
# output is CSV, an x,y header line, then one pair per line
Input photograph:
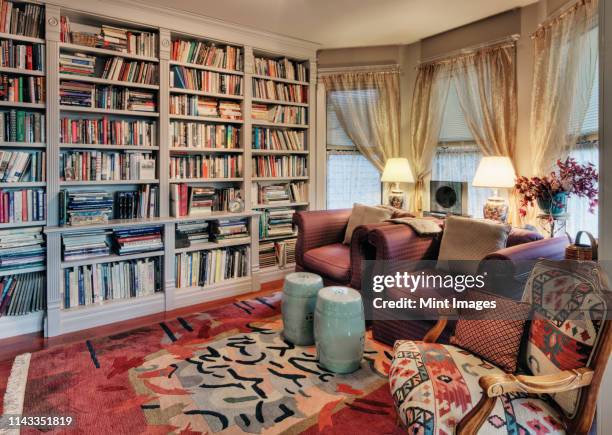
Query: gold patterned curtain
x,y
367,106
566,57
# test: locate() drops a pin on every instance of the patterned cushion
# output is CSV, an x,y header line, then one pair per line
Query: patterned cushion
x,y
569,301
434,386
493,335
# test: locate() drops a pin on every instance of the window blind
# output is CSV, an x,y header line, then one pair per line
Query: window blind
x,y
454,128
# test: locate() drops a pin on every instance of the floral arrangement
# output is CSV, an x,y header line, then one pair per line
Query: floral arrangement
x,y
570,178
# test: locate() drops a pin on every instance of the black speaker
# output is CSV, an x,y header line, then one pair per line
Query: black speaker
x,y
448,197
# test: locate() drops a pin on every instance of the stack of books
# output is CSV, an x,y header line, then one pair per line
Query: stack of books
x,y
289,250
139,100
20,126
22,56
137,204
203,268
299,191
19,18
274,139
206,81
73,93
86,244
22,294
21,248
279,166
205,166
93,284
85,207
279,114
229,229
16,166
137,240
191,232
22,205
201,200
180,195
207,54
117,68
105,131
78,64
229,110
199,135
272,194
267,254
267,89
281,68
106,165
22,89
276,223
131,41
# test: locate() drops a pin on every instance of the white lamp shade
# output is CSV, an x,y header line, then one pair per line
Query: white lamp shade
x,y
397,170
495,172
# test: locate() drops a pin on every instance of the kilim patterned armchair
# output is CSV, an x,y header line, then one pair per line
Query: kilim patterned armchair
x,y
446,389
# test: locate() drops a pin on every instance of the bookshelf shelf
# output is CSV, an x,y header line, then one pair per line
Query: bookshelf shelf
x,y
23,224
291,204
205,180
279,102
272,238
22,105
205,119
21,38
97,80
23,184
206,94
280,80
107,147
205,150
133,113
75,48
205,68
212,245
22,270
215,215
215,286
107,182
18,325
278,124
22,145
112,223
280,152
21,71
280,178
110,259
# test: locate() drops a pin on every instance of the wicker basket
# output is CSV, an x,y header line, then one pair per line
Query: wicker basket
x,y
580,251
84,38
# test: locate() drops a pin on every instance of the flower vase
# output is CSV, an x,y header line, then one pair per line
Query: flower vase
x,y
555,206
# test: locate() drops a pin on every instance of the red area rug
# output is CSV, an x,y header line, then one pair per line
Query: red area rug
x,y
227,370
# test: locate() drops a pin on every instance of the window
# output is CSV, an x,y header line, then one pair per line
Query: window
x,y
458,156
351,177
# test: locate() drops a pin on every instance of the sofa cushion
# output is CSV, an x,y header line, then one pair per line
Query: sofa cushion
x,y
518,236
434,386
469,239
570,301
332,261
363,214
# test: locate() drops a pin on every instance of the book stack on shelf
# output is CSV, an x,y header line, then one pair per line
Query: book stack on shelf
x,y
191,232
230,110
85,207
279,166
106,131
281,68
181,196
267,254
22,205
79,64
195,135
230,229
204,268
106,166
278,140
22,166
205,166
79,94
270,90
278,114
207,54
137,204
137,240
279,253
22,248
276,223
280,194
96,283
22,126
86,244
22,294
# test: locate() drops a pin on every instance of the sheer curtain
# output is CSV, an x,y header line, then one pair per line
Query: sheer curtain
x,y
578,208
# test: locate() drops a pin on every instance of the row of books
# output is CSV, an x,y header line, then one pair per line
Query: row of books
x,y
281,68
200,135
189,200
22,248
137,240
16,166
117,68
276,223
207,54
22,205
22,294
229,229
206,81
280,91
274,139
21,55
279,252
216,231
22,126
193,105
279,166
94,284
279,114
205,166
106,131
78,64
75,93
22,89
86,244
106,165
192,232
25,19
82,207
203,268
278,194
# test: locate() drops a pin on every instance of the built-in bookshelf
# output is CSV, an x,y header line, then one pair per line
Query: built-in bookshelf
x,y
157,153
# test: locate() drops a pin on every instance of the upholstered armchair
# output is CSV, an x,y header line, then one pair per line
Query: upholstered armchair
x,y
449,389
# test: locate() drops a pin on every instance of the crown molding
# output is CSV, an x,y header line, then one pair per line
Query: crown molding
x,y
193,24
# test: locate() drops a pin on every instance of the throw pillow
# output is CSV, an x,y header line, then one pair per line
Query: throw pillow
x,y
469,240
363,214
495,334
570,301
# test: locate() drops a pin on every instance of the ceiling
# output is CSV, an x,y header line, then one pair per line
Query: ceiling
x,y
348,23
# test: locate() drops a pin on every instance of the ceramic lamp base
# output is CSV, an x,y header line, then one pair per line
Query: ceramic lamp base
x,y
396,198
496,209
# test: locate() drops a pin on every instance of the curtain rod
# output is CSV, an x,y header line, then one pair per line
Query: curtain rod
x,y
560,14
392,67
471,49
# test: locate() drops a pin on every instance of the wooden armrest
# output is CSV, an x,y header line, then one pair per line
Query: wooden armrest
x,y
494,386
434,333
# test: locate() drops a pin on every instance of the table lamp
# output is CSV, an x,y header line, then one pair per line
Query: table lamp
x,y
495,172
397,170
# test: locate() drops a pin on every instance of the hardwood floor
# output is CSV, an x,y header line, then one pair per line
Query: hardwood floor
x,y
11,347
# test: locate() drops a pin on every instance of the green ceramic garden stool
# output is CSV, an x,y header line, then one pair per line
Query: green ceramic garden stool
x,y
299,300
339,329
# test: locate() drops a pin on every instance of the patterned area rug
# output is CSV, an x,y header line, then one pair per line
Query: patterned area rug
x,y
227,370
